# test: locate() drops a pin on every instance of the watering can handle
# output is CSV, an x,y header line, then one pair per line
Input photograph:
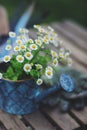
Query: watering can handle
x,y
1,80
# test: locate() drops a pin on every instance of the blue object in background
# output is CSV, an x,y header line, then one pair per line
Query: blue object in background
x,y
20,24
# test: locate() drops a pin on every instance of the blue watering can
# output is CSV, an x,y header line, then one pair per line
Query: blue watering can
x,y
24,97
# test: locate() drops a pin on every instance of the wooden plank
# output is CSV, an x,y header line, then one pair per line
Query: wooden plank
x,y
64,121
77,53
12,122
80,31
79,67
80,115
38,121
72,35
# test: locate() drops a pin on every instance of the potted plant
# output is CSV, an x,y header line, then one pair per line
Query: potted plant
x,y
30,64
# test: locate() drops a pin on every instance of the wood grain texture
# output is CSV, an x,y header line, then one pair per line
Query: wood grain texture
x,y
64,121
77,29
80,115
12,122
71,34
38,121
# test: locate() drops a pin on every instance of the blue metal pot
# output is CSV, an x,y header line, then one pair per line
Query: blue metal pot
x,y
22,97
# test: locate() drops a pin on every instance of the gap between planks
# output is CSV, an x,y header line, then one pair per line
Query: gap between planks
x,y
72,35
12,122
63,120
38,121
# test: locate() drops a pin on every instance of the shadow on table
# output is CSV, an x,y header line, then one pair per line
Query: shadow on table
x,y
82,128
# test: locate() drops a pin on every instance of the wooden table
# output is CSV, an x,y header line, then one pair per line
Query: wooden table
x,y
75,38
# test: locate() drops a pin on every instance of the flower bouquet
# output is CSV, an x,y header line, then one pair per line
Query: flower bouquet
x,y
31,63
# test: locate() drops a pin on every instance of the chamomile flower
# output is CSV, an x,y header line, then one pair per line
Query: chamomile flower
x,y
12,34
49,73
52,40
55,62
38,42
22,47
69,61
27,67
20,37
6,58
38,66
28,55
49,68
8,47
42,30
20,58
16,48
61,55
0,75
54,54
39,81
19,42
67,54
46,40
33,47
23,30
37,26
31,41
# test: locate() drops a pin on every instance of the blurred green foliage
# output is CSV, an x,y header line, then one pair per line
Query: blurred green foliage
x,y
56,9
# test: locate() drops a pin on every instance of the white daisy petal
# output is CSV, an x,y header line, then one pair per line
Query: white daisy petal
x,y
12,34
39,81
22,47
28,55
8,47
54,54
55,62
49,68
38,42
33,47
6,58
16,48
0,75
19,42
49,74
20,58
27,67
31,41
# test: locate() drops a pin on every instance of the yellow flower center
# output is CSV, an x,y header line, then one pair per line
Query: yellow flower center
x,y
20,58
8,47
21,37
16,48
27,67
33,46
55,62
49,72
39,81
22,47
12,34
28,55
6,58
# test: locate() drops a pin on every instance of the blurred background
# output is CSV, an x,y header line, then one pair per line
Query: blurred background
x,y
50,10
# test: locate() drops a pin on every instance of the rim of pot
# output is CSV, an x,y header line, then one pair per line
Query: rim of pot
x,y
15,80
